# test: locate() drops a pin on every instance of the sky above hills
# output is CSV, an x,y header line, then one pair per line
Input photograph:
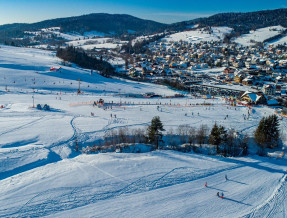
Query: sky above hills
x,y
165,11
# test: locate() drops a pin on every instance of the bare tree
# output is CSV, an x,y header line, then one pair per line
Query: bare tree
x,y
191,135
202,133
183,132
123,134
170,137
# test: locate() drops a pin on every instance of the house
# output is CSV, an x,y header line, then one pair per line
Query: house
x,y
134,72
254,98
272,102
269,90
238,78
229,70
248,81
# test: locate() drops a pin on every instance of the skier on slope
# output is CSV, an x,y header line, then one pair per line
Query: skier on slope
x,y
217,194
226,178
205,184
222,195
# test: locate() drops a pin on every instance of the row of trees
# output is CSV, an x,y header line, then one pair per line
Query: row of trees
x,y
79,57
218,140
228,143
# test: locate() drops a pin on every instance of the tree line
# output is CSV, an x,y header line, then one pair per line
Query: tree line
x,y
217,140
79,57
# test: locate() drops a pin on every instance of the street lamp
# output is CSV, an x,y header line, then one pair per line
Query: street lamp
x,y
33,100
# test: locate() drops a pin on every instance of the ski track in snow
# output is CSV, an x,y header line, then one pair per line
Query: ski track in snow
x,y
66,198
22,126
273,206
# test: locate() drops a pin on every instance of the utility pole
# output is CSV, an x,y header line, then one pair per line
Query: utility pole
x,y
79,89
33,100
120,96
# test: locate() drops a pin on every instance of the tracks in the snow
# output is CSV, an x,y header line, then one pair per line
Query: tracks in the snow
x,y
66,198
22,126
273,206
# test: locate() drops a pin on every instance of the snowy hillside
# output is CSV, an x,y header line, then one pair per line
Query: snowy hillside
x,y
259,35
196,36
68,36
41,174
88,44
157,184
22,69
281,41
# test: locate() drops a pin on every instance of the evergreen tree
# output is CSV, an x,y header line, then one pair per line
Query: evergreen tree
x,y
155,130
267,132
217,135
214,137
259,133
273,130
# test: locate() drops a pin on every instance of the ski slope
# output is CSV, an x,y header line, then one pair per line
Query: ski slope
x,y
42,175
199,35
259,35
25,68
97,43
157,184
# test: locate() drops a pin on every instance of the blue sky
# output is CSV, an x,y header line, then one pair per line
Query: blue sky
x,y
166,11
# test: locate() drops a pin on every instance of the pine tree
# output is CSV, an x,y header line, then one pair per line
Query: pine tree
x,y
267,132
155,130
214,137
217,135
259,134
272,131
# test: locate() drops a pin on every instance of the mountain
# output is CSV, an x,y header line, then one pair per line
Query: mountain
x,y
118,24
241,22
100,22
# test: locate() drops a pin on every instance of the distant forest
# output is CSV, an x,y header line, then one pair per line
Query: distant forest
x,y
79,57
243,22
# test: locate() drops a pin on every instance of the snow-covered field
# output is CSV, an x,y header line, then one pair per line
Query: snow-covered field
x,y
281,41
41,174
199,35
69,36
259,35
98,43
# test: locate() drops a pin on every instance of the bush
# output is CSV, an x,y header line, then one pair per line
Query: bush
x,y
39,107
46,107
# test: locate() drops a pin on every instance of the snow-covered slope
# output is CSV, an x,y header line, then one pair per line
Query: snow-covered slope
x,y
23,68
42,175
280,41
97,43
196,36
157,184
259,35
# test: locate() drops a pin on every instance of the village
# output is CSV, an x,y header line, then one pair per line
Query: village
x,y
252,75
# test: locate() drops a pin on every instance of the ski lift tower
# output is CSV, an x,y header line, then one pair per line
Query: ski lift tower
x,y
79,89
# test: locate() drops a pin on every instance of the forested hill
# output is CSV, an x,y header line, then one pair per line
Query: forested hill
x,y
118,24
241,22
105,23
